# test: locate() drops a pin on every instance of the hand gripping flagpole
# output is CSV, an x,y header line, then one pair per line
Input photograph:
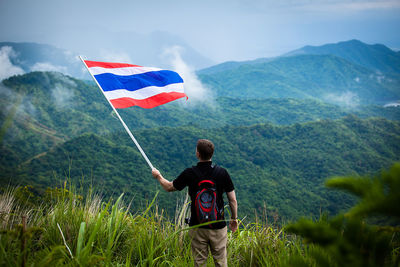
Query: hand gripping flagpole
x,y
119,117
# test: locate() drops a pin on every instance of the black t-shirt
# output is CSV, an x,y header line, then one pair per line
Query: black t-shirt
x,y
189,178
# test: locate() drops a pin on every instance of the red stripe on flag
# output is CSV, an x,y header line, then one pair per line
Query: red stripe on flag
x,y
109,65
150,102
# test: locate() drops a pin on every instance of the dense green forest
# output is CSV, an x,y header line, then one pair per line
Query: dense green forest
x,y
281,168
278,151
77,107
281,127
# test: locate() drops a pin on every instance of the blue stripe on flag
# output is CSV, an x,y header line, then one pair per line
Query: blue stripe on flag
x,y
110,82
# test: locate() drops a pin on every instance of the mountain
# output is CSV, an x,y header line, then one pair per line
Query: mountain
x,y
324,77
376,57
282,167
51,108
229,65
281,127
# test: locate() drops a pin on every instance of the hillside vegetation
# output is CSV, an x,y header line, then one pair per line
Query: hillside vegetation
x,y
62,228
280,167
74,190
274,122
376,57
324,77
51,108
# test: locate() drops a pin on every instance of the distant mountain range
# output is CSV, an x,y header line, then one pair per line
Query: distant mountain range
x,y
375,57
54,108
347,73
281,126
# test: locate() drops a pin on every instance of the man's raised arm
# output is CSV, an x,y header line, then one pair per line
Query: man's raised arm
x,y
167,185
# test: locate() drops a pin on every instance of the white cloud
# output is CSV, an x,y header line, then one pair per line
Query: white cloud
x,y
62,93
380,78
392,104
45,66
194,89
347,99
62,96
11,97
7,69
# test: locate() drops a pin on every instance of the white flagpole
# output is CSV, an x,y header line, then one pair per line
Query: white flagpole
x,y
122,121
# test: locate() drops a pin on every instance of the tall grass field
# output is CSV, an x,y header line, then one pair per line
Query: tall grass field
x,y
68,229
64,228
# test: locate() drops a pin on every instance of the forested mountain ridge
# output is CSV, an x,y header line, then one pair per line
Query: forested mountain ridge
x,y
376,57
283,167
51,108
325,77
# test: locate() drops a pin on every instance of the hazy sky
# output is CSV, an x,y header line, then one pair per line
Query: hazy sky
x,y
219,30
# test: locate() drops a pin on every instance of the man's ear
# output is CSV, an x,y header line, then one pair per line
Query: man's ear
x,y
197,154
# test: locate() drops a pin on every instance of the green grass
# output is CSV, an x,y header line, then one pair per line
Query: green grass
x,y
64,228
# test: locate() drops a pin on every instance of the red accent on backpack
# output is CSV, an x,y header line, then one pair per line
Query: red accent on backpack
x,y
206,200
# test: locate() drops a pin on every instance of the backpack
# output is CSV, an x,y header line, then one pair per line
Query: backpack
x,y
206,198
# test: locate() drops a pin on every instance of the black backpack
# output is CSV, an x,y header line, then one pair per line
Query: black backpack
x,y
206,198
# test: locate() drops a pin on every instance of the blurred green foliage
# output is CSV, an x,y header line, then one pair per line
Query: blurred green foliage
x,y
349,239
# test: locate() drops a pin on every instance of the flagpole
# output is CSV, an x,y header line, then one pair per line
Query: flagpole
x,y
119,117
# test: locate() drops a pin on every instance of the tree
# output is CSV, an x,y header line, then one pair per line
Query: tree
x,y
357,238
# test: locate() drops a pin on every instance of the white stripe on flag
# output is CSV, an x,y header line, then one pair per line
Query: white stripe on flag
x,y
144,92
126,71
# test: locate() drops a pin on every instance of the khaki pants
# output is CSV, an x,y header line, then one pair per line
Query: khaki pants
x,y
202,239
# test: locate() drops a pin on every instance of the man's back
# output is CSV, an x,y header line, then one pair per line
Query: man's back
x,y
189,178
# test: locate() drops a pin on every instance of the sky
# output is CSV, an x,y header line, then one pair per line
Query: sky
x,y
220,31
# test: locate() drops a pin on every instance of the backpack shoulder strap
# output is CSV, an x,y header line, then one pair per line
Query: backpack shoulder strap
x,y
216,170
197,172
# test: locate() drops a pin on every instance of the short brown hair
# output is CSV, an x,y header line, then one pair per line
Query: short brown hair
x,y
205,148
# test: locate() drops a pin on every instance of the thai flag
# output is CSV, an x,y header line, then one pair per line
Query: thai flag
x,y
126,85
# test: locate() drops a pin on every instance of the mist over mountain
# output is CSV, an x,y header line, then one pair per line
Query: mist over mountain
x,y
52,108
64,125
41,57
140,49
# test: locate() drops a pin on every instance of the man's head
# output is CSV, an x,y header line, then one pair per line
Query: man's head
x,y
204,149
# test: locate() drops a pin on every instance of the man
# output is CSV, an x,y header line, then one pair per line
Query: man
x,y
205,237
